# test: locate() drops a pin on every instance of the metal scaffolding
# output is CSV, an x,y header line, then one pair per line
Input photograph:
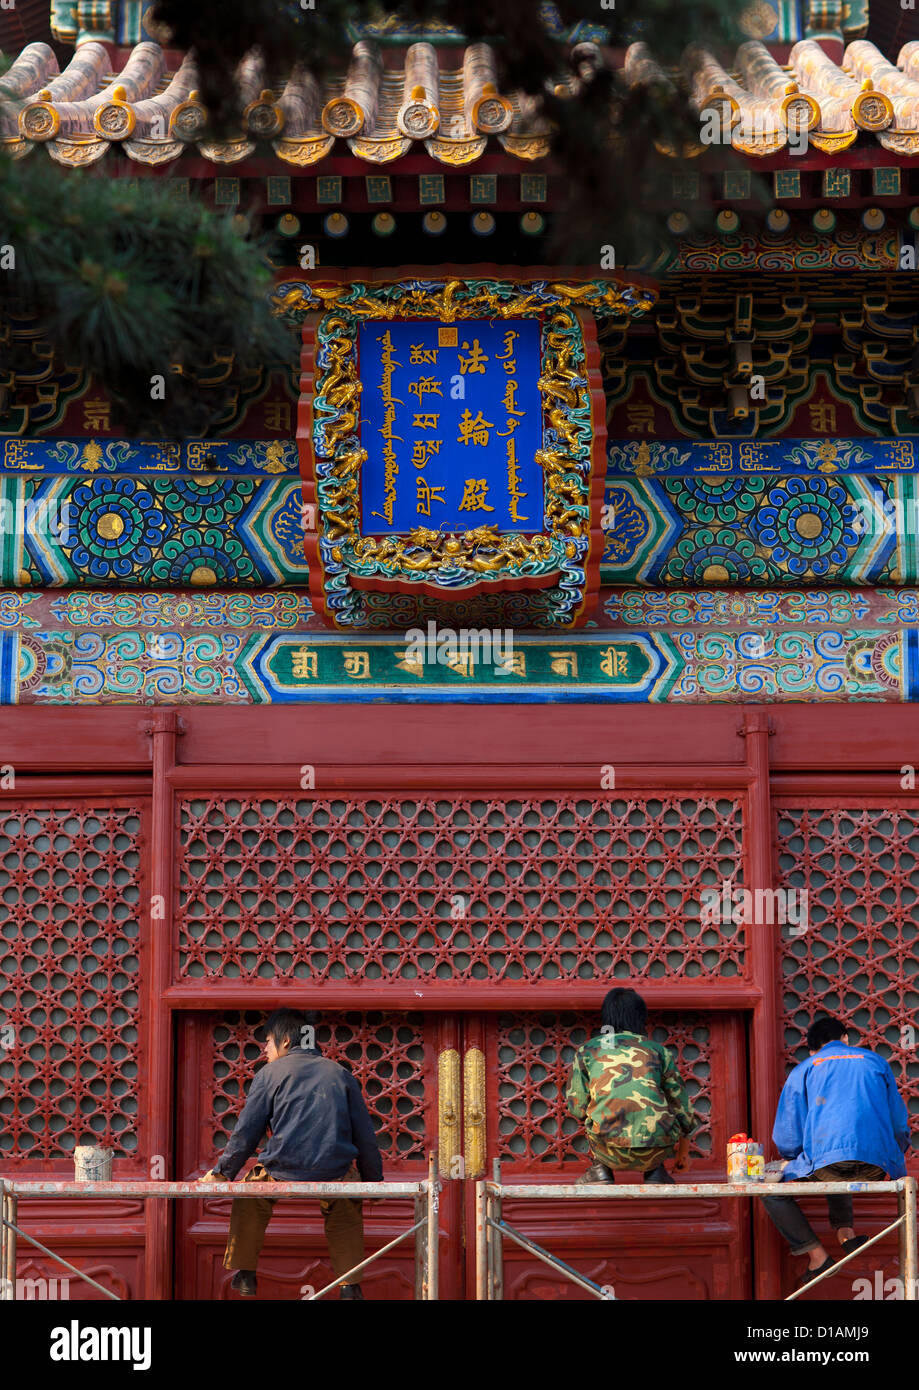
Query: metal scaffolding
x,y
492,1230
424,1227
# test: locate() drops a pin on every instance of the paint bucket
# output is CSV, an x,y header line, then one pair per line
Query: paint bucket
x,y
92,1163
738,1146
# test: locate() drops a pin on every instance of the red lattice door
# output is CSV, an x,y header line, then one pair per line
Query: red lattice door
x,y
74,945
644,1249
394,1055
466,904
857,858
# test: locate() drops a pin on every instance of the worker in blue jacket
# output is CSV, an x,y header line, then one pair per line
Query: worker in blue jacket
x,y
840,1119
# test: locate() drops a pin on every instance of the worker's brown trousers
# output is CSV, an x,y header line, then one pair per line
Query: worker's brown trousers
x,y
249,1217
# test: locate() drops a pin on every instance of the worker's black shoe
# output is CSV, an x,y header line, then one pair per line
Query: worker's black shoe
x,y
353,1291
597,1172
243,1282
856,1243
810,1274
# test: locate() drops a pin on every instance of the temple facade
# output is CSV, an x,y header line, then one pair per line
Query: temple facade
x,y
436,687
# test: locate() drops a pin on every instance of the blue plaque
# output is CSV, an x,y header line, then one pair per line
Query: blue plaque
x,y
451,418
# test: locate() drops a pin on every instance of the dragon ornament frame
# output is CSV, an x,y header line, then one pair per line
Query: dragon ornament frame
x,y
561,562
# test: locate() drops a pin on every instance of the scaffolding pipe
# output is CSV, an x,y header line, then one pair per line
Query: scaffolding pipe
x,y
10,1216
433,1231
497,1258
865,1245
547,1258
420,1247
909,1270
342,1278
668,1192
482,1198
87,1279
424,1227
198,1190
3,1228
490,1231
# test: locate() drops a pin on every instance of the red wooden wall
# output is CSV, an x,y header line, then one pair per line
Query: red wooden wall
x,y
453,879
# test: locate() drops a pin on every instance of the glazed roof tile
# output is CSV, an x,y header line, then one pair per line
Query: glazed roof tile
x,y
383,112
763,101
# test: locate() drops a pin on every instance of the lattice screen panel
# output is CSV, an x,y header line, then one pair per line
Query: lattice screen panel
x,y
534,1057
69,979
859,959
384,1051
432,890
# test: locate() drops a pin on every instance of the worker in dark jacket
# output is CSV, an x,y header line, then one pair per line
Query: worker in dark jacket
x,y
320,1132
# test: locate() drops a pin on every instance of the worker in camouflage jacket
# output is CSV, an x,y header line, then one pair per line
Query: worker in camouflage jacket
x,y
626,1089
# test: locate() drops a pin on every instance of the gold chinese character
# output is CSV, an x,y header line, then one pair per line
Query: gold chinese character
x,y
357,664
425,422
421,355
426,386
305,664
614,662
426,495
475,490
474,362
475,430
564,663
277,416
446,337
95,415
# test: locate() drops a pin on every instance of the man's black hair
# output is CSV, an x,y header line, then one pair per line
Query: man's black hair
x,y
288,1023
824,1030
624,1011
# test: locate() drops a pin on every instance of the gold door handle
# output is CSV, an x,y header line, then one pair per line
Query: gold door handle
x,y
474,1112
449,1102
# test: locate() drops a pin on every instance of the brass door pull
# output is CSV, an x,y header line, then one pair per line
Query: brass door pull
x,y
474,1111
449,1101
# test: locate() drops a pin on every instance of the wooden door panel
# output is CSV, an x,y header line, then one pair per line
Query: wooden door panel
x,y
394,1057
647,1249
857,860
